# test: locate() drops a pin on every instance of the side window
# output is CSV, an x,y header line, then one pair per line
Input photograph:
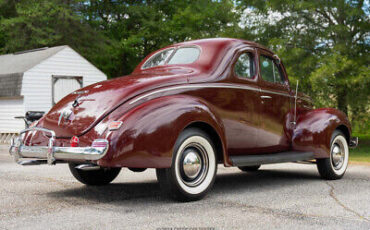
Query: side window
x,y
270,71
244,67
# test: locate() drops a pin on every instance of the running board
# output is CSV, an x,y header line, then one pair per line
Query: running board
x,y
290,156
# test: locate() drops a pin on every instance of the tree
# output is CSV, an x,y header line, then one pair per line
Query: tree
x,y
140,27
325,44
115,35
30,24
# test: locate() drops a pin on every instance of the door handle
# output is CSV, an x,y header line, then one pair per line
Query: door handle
x,y
266,97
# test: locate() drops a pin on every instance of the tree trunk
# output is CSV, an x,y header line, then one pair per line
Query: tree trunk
x,y
342,102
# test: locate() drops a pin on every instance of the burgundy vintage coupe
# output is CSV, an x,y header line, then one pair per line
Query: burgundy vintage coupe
x,y
183,110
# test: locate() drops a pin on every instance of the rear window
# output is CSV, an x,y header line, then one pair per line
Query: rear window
x,y
184,55
158,59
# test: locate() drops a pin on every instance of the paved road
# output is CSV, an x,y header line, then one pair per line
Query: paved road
x,y
289,196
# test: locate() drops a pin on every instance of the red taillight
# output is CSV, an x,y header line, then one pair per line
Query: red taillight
x,y
75,141
99,143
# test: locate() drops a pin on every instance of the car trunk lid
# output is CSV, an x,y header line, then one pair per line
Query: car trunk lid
x,y
81,110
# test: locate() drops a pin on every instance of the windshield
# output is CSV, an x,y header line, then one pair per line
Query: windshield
x,y
184,55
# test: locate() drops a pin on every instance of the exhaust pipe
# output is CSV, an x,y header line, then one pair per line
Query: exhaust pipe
x,y
87,167
32,162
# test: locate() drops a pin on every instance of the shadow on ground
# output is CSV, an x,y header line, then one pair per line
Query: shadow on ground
x,y
262,180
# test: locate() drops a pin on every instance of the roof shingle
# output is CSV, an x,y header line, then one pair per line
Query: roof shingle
x,y
22,61
12,67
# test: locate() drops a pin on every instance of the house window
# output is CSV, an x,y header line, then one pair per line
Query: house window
x,y
64,85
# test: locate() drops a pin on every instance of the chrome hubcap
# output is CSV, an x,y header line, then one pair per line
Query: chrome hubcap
x,y
193,164
337,154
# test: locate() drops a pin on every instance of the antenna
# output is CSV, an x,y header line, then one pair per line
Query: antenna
x,y
295,104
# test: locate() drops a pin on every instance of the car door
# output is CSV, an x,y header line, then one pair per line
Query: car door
x,y
242,127
275,106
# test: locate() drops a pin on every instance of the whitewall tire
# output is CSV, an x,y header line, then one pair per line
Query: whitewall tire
x,y
194,167
335,166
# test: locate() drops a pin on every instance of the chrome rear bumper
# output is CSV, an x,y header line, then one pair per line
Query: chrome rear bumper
x,y
51,153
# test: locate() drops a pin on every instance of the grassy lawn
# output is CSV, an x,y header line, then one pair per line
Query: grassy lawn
x,y
362,152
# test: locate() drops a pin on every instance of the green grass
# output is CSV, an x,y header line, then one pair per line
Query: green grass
x,y
362,152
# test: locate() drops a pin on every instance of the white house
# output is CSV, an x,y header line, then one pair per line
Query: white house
x,y
34,80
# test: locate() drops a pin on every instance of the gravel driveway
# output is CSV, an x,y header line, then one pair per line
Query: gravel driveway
x,y
282,196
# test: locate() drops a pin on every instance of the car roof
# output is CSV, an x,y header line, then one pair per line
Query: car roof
x,y
216,48
230,41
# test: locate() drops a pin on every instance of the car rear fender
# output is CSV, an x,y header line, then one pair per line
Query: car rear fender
x,y
149,131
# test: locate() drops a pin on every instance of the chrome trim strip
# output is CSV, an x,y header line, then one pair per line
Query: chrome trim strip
x,y
195,86
277,93
266,97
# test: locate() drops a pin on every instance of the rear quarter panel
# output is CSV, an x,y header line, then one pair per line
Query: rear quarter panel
x,y
150,130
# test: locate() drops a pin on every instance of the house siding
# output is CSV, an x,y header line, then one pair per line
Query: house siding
x,y
37,82
9,108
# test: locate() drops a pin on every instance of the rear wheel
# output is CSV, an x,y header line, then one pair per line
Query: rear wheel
x,y
137,169
249,168
335,166
100,176
194,167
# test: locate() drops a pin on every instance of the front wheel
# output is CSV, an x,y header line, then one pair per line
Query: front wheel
x,y
335,166
194,167
101,176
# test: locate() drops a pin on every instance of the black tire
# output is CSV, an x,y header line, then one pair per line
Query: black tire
x,y
137,169
249,168
186,181
101,176
331,168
